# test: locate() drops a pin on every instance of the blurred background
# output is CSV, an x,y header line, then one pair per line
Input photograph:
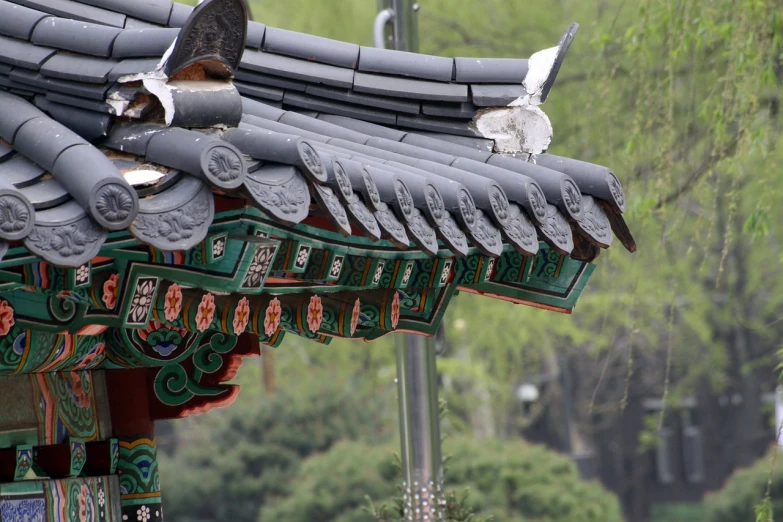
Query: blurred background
x,y
656,400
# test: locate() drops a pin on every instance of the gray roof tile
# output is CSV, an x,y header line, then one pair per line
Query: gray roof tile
x,y
377,102
465,111
408,88
490,70
43,140
14,113
46,194
325,129
445,125
6,151
249,77
91,91
133,66
77,11
138,43
88,124
415,65
77,36
82,103
446,147
135,23
255,34
18,21
179,14
496,95
364,127
78,68
21,172
342,109
23,54
99,187
312,48
156,11
259,91
262,110
297,69
480,144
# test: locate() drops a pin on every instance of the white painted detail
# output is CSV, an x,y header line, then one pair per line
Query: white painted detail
x,y
539,69
523,128
142,177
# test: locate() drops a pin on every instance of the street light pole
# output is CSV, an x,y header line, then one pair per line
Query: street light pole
x,y
417,375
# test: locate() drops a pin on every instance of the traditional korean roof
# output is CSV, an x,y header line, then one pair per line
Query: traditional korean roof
x,y
152,132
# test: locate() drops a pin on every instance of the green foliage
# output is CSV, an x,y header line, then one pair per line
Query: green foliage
x,y
508,481
249,452
758,489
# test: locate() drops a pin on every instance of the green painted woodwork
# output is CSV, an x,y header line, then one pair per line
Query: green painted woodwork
x,y
138,307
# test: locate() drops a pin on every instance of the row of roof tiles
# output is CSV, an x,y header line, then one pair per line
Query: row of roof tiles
x,y
307,70
387,182
62,23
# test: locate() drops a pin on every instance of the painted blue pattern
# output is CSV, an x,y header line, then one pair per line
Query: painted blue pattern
x,y
22,509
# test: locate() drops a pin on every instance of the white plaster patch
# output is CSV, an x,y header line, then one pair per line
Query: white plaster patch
x,y
161,91
524,128
142,177
539,68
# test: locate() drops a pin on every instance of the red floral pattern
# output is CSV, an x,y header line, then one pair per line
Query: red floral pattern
x,y
205,313
154,326
272,317
357,308
6,318
173,305
395,310
110,291
315,314
241,316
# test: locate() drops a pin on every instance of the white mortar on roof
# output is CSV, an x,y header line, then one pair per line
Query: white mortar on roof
x,y
523,128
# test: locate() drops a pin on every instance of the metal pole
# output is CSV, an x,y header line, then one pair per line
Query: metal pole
x,y
417,374
422,463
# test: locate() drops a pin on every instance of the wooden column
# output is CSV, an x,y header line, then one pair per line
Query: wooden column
x,y
134,428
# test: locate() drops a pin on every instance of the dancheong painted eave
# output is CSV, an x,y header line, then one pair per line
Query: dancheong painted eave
x,y
267,166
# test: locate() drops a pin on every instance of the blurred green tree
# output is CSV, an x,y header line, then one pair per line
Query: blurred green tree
x,y
742,493
226,470
511,482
